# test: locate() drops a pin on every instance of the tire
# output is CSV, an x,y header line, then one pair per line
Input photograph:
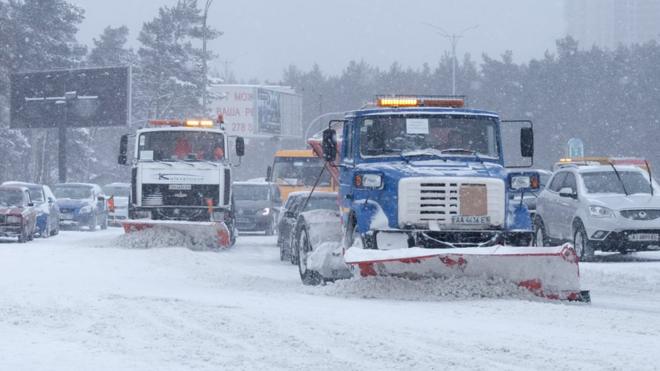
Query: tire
x,y
540,236
303,248
293,254
23,238
352,238
93,223
581,244
47,231
283,254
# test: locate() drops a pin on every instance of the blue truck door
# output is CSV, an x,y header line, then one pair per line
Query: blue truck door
x,y
347,166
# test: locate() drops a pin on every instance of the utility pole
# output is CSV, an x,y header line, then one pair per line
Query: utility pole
x,y
453,38
204,55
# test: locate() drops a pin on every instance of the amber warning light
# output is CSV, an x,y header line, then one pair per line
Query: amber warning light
x,y
187,123
428,101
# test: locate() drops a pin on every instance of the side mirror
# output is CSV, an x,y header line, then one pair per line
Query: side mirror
x,y
123,149
100,198
240,146
269,174
567,192
329,145
527,142
30,204
290,214
50,200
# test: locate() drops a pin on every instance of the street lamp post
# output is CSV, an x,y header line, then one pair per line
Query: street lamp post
x,y
453,38
204,56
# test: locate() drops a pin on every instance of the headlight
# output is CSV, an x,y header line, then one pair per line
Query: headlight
x,y
601,212
86,209
14,219
265,211
368,181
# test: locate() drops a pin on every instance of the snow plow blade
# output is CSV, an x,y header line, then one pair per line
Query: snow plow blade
x,y
548,272
210,234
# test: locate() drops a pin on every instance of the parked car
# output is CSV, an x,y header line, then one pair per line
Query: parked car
x,y
118,195
48,213
290,213
18,216
257,206
81,205
607,208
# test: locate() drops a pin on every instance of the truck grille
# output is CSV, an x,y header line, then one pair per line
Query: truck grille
x,y
437,200
162,195
641,214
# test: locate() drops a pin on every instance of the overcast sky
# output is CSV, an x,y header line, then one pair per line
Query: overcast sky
x,y
261,37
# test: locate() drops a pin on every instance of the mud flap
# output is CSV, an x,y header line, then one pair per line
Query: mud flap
x,y
549,272
215,234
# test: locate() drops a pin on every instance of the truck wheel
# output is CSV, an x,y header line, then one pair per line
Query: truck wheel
x,y
540,237
304,248
581,244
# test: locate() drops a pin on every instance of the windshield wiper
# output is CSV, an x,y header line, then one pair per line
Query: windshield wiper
x,y
620,180
422,152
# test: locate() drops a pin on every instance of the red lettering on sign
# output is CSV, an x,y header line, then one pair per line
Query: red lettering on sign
x,y
248,111
243,96
231,111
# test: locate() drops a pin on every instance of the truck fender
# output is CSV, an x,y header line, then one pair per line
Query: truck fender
x,y
367,214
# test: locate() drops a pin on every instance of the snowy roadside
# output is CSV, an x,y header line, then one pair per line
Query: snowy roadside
x,y
77,302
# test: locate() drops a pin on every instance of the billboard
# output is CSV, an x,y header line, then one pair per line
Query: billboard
x,y
258,111
87,97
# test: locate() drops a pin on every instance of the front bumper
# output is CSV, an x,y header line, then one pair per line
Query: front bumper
x,y
75,220
10,230
401,238
618,233
253,223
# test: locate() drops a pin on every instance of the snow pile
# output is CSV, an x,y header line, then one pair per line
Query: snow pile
x,y
165,237
427,289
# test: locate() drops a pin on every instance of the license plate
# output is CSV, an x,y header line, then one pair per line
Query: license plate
x,y
180,187
66,216
243,220
460,219
644,237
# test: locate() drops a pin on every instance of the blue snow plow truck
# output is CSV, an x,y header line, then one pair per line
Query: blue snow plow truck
x,y
423,191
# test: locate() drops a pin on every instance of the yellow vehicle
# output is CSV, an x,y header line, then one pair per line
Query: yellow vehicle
x,y
297,170
603,160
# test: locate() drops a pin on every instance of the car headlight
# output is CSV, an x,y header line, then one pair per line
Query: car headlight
x,y
86,209
265,211
373,181
601,212
14,219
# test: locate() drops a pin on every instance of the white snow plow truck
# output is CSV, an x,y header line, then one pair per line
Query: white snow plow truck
x,y
181,180
424,193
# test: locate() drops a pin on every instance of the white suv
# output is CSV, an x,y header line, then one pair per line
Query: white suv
x,y
599,208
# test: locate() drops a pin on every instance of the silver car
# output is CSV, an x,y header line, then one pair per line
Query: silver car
x,y
607,208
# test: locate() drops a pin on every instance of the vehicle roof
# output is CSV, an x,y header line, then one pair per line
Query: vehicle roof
x,y
180,128
118,184
315,194
295,153
375,111
11,187
76,184
601,168
24,184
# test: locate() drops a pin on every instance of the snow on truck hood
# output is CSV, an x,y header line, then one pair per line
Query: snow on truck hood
x,y
436,168
622,202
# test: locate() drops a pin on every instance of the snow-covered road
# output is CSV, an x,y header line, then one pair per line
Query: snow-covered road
x,y
77,301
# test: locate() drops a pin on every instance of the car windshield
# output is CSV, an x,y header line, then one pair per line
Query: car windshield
x,y
10,198
608,182
173,145
244,192
73,192
116,191
299,171
388,135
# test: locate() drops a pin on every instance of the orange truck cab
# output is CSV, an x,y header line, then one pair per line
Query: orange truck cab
x,y
296,170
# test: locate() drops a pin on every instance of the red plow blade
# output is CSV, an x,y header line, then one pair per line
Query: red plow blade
x,y
549,272
211,234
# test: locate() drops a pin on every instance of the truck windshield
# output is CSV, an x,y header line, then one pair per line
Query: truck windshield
x,y
388,135
299,171
250,192
608,182
192,145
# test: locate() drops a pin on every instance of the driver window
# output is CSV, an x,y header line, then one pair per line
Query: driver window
x,y
569,182
557,181
348,142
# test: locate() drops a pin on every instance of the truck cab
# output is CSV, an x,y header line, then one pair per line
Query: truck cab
x,y
180,171
426,172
